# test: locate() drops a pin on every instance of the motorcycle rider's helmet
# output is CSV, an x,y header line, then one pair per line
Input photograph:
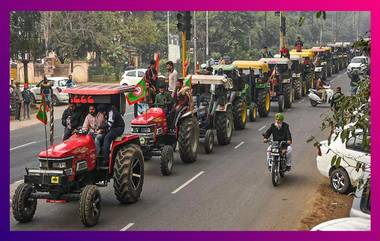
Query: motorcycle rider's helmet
x,y
279,117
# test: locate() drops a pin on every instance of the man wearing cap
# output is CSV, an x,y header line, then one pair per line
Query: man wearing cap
x,y
280,132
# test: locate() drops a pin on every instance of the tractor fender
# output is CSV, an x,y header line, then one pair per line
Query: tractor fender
x,y
120,142
221,108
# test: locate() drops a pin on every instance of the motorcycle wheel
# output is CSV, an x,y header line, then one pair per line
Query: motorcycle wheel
x,y
275,174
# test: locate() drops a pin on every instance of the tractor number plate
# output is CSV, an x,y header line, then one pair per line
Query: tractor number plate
x,y
54,180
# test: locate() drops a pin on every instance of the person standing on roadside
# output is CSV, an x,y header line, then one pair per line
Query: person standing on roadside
x,y
27,98
172,76
18,101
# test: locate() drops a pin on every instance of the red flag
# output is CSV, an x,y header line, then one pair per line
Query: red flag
x,y
157,59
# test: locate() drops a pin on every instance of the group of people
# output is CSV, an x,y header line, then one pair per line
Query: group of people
x,y
21,99
284,51
103,122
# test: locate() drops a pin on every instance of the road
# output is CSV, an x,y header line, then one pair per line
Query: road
x,y
229,189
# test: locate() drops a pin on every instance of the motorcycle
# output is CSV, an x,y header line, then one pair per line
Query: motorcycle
x,y
277,160
316,98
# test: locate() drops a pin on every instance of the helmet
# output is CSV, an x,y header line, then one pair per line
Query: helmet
x,y
279,116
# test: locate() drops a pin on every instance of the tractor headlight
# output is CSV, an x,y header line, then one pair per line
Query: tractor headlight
x,y
275,150
59,165
146,129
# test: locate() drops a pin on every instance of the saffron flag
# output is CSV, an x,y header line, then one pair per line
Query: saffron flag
x,y
41,114
157,60
138,94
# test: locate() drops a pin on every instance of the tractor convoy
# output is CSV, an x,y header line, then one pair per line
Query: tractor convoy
x,y
220,101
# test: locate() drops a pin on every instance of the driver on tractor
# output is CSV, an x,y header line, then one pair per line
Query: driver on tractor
x,y
114,127
182,96
281,132
94,124
165,101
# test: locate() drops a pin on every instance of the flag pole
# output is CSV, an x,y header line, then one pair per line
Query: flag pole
x,y
46,139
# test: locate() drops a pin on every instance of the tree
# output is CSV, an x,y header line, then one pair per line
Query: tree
x,y
25,38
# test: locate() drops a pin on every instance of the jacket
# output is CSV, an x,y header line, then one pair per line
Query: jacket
x,y
282,134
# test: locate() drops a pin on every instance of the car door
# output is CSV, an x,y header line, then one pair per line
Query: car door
x,y
37,91
355,153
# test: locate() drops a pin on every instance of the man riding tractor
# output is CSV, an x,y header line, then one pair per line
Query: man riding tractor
x,y
307,68
281,82
213,110
323,59
70,171
159,137
257,86
239,103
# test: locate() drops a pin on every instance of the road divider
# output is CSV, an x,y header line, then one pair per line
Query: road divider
x,y
127,227
187,183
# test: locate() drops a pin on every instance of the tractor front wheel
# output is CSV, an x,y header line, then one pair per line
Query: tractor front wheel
x,y
23,206
188,139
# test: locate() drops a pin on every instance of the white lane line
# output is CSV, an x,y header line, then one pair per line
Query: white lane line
x,y
240,144
187,183
27,144
127,227
262,128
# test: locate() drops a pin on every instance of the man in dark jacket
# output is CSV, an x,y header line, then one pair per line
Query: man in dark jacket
x,y
336,98
27,98
280,132
67,120
299,44
114,128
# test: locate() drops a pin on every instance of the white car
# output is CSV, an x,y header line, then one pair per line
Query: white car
x,y
58,84
344,224
360,63
344,177
132,77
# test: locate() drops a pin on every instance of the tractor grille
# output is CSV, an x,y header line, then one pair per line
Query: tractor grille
x,y
56,163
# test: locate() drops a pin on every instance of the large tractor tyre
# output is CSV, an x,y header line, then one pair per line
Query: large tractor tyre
x,y
288,96
209,141
263,103
281,103
128,174
23,207
188,139
224,128
239,113
297,89
167,160
90,205
253,112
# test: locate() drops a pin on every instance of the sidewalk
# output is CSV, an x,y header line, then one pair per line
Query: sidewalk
x,y
14,125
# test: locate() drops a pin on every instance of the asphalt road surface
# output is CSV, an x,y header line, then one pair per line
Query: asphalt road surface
x,y
229,189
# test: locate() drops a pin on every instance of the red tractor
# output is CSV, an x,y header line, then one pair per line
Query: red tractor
x,y
157,139
70,171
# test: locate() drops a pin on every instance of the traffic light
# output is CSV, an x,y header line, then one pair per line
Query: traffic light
x,y
283,25
184,23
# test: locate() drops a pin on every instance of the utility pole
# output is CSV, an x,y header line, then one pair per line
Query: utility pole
x,y
168,19
336,26
282,30
321,32
265,28
195,42
207,53
357,27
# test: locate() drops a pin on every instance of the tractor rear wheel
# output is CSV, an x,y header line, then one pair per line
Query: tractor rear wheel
x,y
128,174
239,113
288,96
224,128
263,102
209,141
188,139
252,112
280,103
23,207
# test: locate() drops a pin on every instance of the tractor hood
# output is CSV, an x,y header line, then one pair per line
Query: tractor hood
x,y
77,144
151,116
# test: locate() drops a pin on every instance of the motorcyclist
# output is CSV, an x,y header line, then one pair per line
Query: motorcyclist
x,y
280,132
321,83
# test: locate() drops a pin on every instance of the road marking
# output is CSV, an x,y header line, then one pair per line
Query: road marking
x,y
187,183
27,144
301,101
262,128
127,227
240,144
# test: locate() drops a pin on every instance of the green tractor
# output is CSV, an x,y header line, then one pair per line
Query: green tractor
x,y
256,87
235,95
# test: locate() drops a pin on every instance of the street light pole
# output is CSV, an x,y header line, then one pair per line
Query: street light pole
x,y
207,53
168,19
195,42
